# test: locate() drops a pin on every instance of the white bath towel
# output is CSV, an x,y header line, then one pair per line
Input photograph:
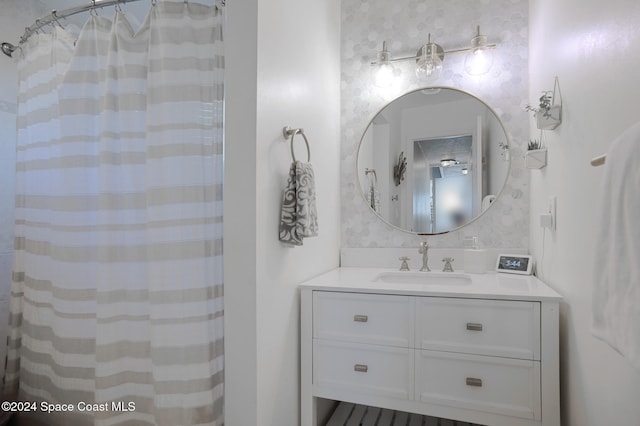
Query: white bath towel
x,y
298,215
616,290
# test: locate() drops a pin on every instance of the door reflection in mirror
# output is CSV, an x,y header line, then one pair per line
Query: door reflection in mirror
x,y
456,149
443,177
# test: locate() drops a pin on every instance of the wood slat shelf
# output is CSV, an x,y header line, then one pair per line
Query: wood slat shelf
x,y
348,414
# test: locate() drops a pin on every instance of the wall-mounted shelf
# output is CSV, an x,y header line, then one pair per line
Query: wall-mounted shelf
x,y
549,119
548,113
535,158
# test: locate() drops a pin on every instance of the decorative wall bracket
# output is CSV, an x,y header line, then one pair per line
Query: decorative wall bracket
x,y
536,155
548,113
535,159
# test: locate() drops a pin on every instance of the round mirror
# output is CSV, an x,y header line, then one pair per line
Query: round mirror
x,y
433,160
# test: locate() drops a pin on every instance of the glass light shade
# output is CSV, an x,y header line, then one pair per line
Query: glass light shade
x,y
478,62
429,65
480,59
383,76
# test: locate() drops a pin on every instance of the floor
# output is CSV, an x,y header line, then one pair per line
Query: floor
x,y
20,421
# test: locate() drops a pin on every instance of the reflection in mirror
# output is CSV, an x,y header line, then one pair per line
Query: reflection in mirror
x,y
457,160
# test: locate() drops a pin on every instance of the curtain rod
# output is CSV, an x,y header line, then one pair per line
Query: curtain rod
x,y
55,15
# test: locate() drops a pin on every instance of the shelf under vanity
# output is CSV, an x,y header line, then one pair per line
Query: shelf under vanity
x,y
348,414
476,348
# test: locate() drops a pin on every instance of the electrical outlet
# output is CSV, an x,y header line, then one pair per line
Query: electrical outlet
x,y
548,218
551,210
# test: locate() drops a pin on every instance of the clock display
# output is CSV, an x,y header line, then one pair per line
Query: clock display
x,y
512,264
515,264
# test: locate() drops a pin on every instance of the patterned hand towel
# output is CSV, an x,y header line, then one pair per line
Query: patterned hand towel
x,y
373,194
298,216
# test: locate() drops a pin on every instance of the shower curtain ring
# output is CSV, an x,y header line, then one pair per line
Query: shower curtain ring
x,y
38,27
55,18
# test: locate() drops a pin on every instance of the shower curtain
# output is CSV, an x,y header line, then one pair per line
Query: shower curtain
x,y
117,296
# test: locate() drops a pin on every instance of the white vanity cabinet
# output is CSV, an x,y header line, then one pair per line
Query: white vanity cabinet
x,y
362,344
483,357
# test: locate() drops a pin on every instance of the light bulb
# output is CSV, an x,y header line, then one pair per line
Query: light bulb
x,y
383,76
429,64
478,62
480,59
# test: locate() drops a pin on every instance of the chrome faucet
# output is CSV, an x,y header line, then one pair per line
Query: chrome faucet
x,y
424,251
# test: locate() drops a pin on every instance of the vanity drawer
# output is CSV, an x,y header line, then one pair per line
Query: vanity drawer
x,y
363,369
496,385
364,318
477,326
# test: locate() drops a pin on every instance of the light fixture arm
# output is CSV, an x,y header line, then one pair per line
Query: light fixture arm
x,y
383,55
478,41
444,52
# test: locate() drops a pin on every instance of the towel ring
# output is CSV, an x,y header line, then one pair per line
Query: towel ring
x,y
288,131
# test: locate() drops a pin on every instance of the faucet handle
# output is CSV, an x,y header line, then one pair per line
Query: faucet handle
x,y
447,264
404,266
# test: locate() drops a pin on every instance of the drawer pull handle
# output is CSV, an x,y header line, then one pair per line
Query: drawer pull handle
x,y
471,381
360,318
361,368
474,326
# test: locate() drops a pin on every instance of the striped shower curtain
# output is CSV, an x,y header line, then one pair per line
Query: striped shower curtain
x,y
116,305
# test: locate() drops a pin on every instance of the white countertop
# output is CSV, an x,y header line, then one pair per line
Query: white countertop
x,y
482,286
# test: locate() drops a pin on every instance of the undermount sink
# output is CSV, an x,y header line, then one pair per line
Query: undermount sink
x,y
424,278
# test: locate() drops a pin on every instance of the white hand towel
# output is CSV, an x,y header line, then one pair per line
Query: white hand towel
x,y
616,290
298,216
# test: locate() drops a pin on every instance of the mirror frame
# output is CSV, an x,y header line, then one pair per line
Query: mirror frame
x,y
499,193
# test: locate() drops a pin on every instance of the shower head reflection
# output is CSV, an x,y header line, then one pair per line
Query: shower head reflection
x,y
8,48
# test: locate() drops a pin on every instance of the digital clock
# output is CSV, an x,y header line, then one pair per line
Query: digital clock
x,y
515,264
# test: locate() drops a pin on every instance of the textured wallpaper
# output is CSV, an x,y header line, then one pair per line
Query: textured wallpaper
x,y
404,24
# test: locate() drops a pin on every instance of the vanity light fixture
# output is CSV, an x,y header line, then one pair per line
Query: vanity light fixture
x,y
430,57
448,162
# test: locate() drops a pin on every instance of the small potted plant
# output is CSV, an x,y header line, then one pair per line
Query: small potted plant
x,y
536,155
547,115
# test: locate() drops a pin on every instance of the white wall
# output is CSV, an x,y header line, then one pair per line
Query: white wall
x,y
240,221
594,50
283,68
